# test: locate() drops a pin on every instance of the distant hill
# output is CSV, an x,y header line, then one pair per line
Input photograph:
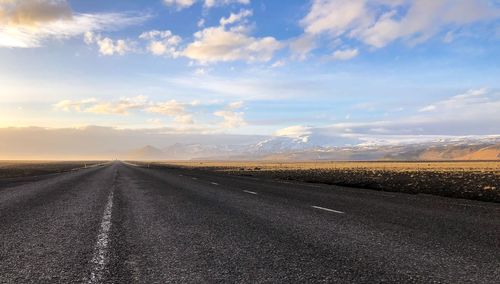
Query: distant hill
x,y
486,153
145,153
450,152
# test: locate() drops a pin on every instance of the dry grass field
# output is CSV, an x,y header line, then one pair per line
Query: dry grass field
x,y
471,180
450,166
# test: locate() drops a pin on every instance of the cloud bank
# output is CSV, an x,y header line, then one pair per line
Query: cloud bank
x,y
378,23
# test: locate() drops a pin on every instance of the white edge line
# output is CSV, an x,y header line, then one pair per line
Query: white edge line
x,y
250,192
327,209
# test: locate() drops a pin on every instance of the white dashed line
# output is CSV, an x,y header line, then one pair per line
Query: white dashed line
x,y
250,192
100,258
194,178
214,183
329,210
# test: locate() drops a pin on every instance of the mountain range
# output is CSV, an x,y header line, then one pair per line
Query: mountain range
x,y
304,148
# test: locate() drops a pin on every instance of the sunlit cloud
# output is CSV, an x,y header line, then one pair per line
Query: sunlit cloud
x,y
230,41
29,23
108,46
162,42
223,43
179,111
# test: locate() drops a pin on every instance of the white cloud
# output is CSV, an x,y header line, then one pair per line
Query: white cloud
x,y
233,18
449,37
302,46
215,44
162,42
427,108
181,4
170,108
278,63
184,119
467,100
345,54
159,43
212,44
200,71
28,23
107,46
200,23
231,117
335,16
212,3
295,131
381,22
235,105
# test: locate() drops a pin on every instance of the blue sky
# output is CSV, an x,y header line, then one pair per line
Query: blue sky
x,y
341,68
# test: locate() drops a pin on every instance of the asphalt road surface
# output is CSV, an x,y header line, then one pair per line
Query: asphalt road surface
x,y
121,223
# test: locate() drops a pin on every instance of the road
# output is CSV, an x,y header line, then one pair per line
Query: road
x,y
122,223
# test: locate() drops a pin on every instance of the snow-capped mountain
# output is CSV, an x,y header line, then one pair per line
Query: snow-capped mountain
x,y
307,147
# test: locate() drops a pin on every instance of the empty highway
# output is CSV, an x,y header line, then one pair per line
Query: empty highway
x,y
123,223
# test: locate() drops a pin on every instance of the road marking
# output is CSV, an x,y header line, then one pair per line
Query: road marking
x,y
180,175
327,209
250,192
214,183
194,178
100,258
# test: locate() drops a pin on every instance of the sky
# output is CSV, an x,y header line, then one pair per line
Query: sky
x,y
336,68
